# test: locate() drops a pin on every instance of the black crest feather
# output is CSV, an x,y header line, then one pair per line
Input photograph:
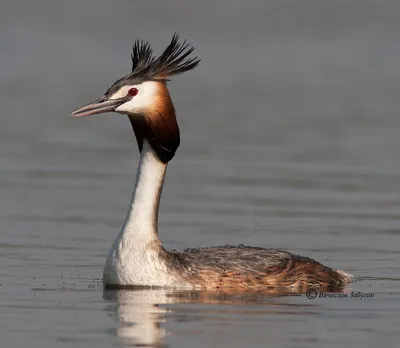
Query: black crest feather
x,y
142,55
173,61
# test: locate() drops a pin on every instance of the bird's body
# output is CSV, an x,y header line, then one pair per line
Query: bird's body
x,y
137,257
225,267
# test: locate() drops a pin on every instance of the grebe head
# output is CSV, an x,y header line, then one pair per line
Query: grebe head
x,y
144,97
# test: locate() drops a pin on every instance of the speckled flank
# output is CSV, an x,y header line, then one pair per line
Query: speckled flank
x,y
242,267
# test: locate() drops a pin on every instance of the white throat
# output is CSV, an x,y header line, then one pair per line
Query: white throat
x,y
142,219
133,259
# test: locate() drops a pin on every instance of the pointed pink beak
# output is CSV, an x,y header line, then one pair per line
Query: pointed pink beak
x,y
99,106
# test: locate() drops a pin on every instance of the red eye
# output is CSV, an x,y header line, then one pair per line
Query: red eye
x,y
133,91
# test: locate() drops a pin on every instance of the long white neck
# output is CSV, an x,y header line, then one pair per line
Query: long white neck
x,y
136,257
142,219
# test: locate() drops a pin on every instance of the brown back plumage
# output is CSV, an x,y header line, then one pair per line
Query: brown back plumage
x,y
245,268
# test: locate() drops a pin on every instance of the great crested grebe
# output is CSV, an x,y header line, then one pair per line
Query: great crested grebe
x,y
137,257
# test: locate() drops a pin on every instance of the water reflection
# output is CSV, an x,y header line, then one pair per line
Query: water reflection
x,y
141,313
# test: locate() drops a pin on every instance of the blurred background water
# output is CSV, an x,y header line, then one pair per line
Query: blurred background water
x,y
290,139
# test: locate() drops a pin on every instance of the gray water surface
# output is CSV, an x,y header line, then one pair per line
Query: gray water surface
x,y
290,139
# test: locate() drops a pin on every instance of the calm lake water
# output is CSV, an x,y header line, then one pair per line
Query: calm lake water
x,y
290,139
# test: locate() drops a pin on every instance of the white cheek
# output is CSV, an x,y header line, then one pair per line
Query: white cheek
x,y
126,107
142,101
